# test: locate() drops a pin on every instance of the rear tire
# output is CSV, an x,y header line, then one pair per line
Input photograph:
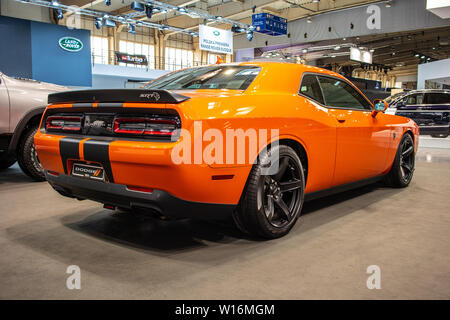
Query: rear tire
x,y
27,157
270,205
402,170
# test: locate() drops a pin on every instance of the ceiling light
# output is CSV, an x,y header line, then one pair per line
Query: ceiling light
x,y
337,48
309,20
107,2
305,50
131,28
55,3
59,14
182,10
98,23
137,6
316,1
388,4
422,57
109,23
149,11
249,35
372,50
416,55
333,56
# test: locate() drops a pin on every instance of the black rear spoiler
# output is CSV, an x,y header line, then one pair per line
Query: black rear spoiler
x,y
116,95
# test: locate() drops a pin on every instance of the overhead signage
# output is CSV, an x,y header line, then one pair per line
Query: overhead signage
x,y
138,59
70,44
359,55
269,24
215,40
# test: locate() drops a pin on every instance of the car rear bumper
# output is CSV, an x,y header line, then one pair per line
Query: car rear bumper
x,y
143,164
158,201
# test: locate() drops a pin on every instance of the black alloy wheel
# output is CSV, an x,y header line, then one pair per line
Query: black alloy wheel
x,y
402,170
280,194
271,204
407,159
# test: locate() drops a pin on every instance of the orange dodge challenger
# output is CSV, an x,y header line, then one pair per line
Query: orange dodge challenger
x,y
248,140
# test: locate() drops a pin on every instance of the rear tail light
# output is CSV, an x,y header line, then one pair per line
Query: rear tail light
x,y
64,123
161,127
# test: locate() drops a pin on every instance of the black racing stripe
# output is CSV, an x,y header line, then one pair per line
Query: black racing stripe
x,y
69,149
110,105
98,151
82,105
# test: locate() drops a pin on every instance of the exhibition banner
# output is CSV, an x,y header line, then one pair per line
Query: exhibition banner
x,y
138,59
215,40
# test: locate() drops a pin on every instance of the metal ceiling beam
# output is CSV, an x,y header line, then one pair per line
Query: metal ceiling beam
x,y
104,15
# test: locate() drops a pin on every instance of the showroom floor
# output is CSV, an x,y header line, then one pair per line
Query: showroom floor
x,y
406,232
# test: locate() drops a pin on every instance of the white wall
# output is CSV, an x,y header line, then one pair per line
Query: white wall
x,y
115,77
432,70
410,78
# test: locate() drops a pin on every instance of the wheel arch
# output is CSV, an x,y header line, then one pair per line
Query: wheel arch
x,y
31,117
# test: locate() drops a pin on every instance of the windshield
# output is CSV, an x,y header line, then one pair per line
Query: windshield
x,y
394,97
211,77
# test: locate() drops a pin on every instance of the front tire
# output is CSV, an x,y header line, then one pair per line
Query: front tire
x,y
27,157
271,204
402,170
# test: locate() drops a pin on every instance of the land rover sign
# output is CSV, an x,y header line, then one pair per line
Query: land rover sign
x,y
215,40
71,44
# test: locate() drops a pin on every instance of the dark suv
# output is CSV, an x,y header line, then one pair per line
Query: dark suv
x,y
430,109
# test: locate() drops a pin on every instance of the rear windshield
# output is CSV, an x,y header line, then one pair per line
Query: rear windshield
x,y
211,77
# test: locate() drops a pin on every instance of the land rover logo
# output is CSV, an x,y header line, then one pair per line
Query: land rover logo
x,y
216,33
153,95
70,44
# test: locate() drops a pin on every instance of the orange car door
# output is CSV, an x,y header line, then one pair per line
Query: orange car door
x,y
362,140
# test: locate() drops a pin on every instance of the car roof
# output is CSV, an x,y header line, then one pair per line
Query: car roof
x,y
429,91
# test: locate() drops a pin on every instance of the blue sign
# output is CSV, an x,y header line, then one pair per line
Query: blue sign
x,y
269,24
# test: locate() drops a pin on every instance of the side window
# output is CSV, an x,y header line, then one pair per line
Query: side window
x,y
414,99
310,87
339,94
437,98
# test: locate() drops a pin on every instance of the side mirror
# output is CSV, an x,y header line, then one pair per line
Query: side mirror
x,y
379,106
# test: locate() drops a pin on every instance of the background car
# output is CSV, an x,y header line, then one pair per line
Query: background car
x,y
430,109
22,103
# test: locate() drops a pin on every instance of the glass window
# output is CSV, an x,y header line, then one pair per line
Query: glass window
x,y
211,77
131,47
414,99
310,87
437,98
99,50
339,94
178,58
212,57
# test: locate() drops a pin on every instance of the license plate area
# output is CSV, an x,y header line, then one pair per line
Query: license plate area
x,y
89,171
